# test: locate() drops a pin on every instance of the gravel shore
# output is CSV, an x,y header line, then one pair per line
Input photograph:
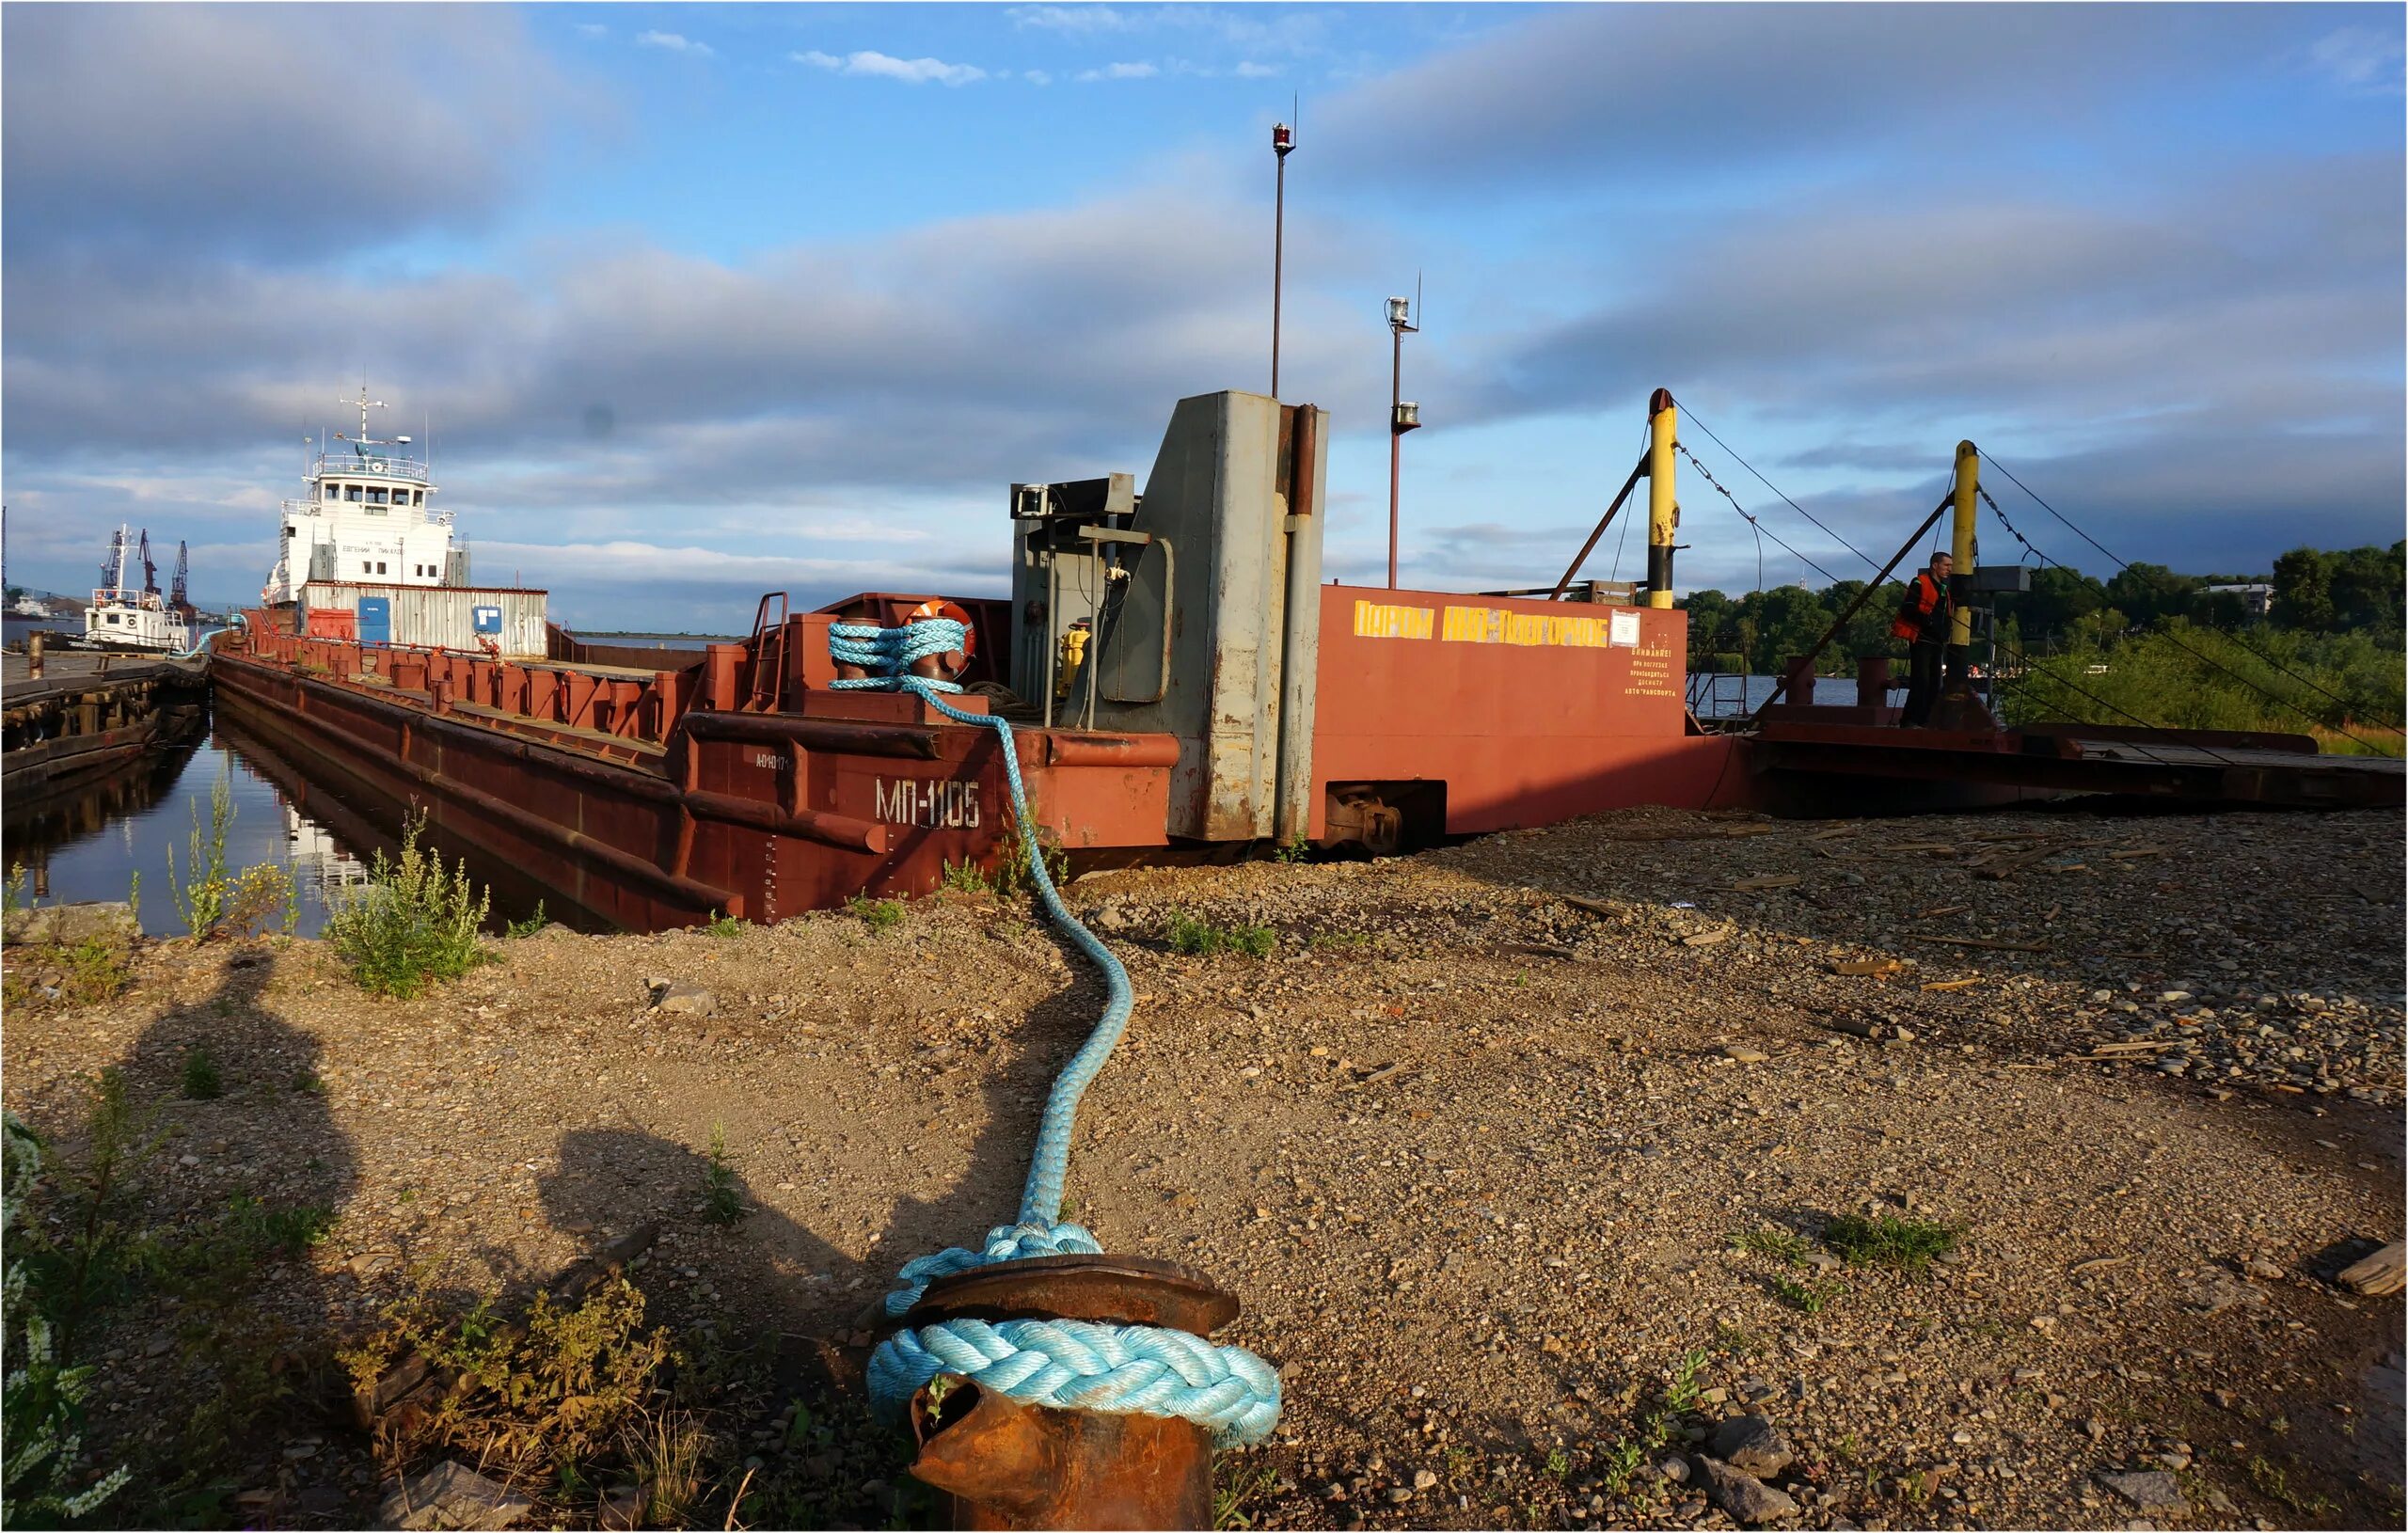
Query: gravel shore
x,y
1523,1155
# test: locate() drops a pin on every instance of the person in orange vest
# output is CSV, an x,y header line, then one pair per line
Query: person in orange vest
x,y
1922,621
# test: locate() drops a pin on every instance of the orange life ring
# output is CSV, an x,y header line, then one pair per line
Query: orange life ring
x,y
953,662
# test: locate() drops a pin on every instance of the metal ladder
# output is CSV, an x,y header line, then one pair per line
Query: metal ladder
x,y
769,648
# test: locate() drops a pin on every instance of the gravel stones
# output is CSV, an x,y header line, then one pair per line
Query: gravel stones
x,y
1534,1164
1752,1445
2219,1291
679,998
2153,1490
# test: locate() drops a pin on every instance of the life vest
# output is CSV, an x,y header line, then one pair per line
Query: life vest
x,y
1925,598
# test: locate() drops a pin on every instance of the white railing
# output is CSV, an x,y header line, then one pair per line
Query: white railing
x,y
413,469
314,508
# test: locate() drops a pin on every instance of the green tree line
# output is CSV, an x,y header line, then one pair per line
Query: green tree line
x,y
2353,590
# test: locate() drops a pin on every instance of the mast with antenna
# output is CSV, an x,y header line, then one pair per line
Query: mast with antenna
x,y
1404,414
365,404
1283,143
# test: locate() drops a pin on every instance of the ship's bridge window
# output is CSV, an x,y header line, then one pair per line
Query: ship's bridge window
x,y
380,566
330,492
355,494
375,495
418,498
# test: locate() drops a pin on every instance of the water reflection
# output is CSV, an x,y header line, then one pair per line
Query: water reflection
x,y
88,843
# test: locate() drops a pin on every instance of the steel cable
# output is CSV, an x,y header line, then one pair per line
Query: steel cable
x,y
1777,490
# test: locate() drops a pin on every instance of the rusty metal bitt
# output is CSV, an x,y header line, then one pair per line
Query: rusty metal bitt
x,y
1002,1464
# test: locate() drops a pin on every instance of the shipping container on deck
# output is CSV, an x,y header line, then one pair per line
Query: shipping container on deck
x,y
478,620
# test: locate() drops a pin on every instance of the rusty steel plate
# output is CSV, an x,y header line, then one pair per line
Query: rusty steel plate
x,y
1123,1291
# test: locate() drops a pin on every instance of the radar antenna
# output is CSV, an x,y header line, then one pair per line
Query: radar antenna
x,y
364,404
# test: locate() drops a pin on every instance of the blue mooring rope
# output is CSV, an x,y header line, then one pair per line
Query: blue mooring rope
x,y
1070,1365
888,652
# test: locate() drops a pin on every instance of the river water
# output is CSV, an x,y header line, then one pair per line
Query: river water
x,y
88,845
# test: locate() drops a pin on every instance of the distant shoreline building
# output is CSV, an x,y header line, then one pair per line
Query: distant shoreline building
x,y
2258,596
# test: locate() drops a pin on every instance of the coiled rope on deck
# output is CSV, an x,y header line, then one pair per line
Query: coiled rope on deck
x,y
1070,1365
888,654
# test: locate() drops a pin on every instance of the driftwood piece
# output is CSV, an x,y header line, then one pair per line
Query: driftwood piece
x,y
2381,1273
1981,941
2129,1049
1865,966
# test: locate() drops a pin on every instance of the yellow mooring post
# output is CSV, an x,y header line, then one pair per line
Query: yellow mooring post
x,y
1957,687
1663,511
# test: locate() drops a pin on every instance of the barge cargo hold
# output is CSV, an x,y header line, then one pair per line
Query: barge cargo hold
x,y
1181,682
1231,698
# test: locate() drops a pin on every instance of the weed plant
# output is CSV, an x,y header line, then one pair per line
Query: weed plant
x,y
93,971
41,1405
260,895
723,925
879,915
721,1203
1809,1296
1909,1246
415,923
201,893
203,1083
567,1397
1201,938
1780,1244
534,923
1012,877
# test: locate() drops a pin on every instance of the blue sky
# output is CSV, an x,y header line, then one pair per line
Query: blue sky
x,y
706,300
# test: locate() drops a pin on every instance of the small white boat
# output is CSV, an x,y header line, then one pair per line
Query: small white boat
x,y
128,617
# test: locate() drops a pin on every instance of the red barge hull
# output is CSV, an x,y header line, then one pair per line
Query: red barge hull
x,y
1182,683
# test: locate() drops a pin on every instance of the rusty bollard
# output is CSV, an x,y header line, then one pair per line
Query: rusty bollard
x,y
1002,1464
34,654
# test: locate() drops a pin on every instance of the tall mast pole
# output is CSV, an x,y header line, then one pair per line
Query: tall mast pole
x,y
1402,417
1396,437
1283,143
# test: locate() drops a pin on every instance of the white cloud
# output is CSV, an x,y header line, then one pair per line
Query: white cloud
x,y
2362,60
122,121
1037,77
1248,70
1121,72
917,71
671,42
1077,21
591,29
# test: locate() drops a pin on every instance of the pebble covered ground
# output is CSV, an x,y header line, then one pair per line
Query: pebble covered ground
x,y
1519,1153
